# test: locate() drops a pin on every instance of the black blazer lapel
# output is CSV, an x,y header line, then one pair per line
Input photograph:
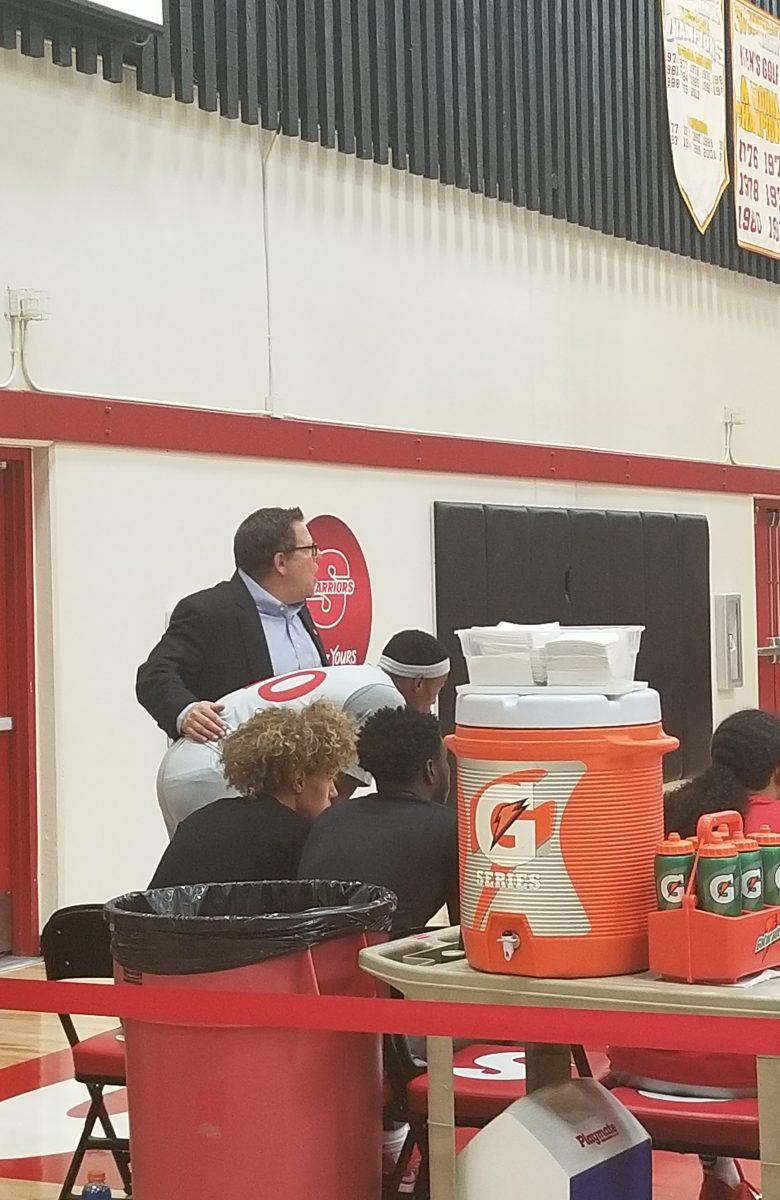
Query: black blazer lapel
x,y
258,660
314,634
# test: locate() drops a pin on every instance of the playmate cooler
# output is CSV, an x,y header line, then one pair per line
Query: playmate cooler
x,y
574,1141
560,809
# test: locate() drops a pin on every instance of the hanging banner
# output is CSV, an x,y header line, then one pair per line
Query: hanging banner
x,y
755,60
695,56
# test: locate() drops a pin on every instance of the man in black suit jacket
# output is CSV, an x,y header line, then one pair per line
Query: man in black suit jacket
x,y
247,628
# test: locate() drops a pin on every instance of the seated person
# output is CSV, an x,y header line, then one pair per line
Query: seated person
x,y
282,763
744,775
412,670
403,837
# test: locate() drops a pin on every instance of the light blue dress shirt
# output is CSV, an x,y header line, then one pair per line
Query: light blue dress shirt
x,y
289,643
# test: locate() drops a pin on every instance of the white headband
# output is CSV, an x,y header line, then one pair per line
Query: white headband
x,y
410,671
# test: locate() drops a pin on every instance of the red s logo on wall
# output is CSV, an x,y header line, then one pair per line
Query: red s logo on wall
x,y
341,605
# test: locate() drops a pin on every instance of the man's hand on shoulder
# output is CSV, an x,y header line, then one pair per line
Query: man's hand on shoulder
x,y
202,722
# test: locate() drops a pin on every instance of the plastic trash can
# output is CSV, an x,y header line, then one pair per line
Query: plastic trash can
x,y
252,1112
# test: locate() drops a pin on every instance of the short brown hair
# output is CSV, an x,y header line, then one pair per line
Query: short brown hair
x,y
271,748
263,534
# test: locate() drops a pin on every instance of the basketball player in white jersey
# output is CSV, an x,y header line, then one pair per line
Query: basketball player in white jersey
x,y
412,670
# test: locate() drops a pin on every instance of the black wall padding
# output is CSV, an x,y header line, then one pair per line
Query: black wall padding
x,y
694,546
557,106
627,588
662,656
590,568
461,586
549,566
587,567
508,561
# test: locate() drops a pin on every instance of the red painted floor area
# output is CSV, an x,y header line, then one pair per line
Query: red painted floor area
x,y
42,1110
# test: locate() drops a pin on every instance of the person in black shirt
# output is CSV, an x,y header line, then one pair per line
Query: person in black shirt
x,y
403,837
283,761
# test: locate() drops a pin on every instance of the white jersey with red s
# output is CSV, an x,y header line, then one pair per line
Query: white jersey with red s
x,y
190,774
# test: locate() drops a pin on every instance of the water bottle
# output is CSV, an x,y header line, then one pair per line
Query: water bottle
x,y
673,866
97,1188
718,877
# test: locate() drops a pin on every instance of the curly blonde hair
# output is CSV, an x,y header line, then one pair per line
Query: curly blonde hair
x,y
266,753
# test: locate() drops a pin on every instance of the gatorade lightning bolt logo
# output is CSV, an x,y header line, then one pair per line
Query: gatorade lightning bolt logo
x,y
671,886
504,816
509,832
751,884
722,889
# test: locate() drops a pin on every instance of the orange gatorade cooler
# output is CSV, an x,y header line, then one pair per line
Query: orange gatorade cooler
x,y
560,810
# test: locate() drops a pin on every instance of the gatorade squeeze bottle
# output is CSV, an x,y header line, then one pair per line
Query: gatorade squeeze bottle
x,y
752,873
673,865
97,1188
769,844
718,879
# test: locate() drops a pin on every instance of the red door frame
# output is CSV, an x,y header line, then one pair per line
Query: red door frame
x,y
17,556
768,598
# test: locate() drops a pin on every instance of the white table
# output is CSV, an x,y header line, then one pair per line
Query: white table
x,y
428,969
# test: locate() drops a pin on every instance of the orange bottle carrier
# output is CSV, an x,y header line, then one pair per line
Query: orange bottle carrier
x,y
691,945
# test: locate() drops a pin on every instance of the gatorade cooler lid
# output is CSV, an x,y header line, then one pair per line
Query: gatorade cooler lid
x,y
518,708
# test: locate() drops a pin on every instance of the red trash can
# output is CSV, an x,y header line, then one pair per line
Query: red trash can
x,y
272,1113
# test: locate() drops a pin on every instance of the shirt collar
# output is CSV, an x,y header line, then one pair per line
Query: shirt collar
x,y
401,795
267,604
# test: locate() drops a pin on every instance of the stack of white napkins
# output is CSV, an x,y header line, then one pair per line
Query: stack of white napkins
x,y
594,658
526,656
507,653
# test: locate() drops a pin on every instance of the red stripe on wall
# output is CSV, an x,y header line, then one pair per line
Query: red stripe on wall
x,y
44,417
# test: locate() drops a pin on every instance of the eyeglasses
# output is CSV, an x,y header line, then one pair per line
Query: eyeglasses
x,y
312,549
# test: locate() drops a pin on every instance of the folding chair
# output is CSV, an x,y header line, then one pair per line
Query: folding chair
x,y
718,1128
711,1128
75,944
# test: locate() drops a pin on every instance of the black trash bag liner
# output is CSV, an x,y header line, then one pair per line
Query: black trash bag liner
x,y
220,926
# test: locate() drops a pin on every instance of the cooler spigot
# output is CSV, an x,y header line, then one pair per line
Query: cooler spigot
x,y
510,944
